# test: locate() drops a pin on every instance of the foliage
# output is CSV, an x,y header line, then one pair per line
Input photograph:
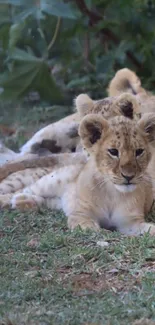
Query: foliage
x,y
62,47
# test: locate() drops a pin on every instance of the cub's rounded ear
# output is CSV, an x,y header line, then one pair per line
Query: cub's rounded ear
x,y
124,80
91,129
128,105
147,124
84,104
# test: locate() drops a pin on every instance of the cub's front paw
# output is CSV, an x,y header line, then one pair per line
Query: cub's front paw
x,y
5,200
23,202
83,224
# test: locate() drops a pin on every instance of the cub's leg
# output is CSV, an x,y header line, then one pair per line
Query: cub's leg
x,y
84,221
138,227
5,200
21,179
79,210
134,229
48,190
24,201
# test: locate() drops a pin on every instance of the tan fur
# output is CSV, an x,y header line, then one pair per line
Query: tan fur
x,y
125,105
97,192
107,107
62,137
60,132
64,133
17,175
126,81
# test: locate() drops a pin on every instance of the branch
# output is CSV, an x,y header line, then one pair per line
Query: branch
x,y
94,18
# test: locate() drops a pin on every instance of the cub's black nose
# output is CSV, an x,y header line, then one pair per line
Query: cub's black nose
x,y
128,178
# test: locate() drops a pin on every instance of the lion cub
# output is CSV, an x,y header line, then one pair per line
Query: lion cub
x,y
112,189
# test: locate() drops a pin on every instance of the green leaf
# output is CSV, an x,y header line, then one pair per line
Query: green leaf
x,y
105,63
4,35
34,74
21,55
24,14
46,86
78,82
17,82
11,2
58,8
15,33
120,53
89,3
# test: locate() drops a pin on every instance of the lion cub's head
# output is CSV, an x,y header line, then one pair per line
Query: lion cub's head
x,y
125,104
121,147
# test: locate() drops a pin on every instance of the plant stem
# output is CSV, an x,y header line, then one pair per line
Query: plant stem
x,y
55,34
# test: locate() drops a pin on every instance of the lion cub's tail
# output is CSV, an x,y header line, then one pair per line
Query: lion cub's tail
x,y
125,80
53,161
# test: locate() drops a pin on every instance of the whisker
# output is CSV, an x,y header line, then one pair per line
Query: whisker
x,y
100,183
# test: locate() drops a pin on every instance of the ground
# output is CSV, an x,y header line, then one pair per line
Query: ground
x,y
50,275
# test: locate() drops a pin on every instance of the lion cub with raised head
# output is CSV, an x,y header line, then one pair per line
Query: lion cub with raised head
x,y
112,189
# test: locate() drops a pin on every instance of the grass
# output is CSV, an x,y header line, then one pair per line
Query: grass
x,y
24,120
50,275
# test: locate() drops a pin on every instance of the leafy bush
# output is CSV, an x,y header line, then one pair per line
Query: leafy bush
x,y
60,48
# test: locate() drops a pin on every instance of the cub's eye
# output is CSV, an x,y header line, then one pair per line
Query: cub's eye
x,y
139,152
113,152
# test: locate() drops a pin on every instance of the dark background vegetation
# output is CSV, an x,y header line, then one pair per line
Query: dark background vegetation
x,y
59,48
52,50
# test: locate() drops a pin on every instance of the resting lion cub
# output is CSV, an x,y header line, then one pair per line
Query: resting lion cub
x,y
112,189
